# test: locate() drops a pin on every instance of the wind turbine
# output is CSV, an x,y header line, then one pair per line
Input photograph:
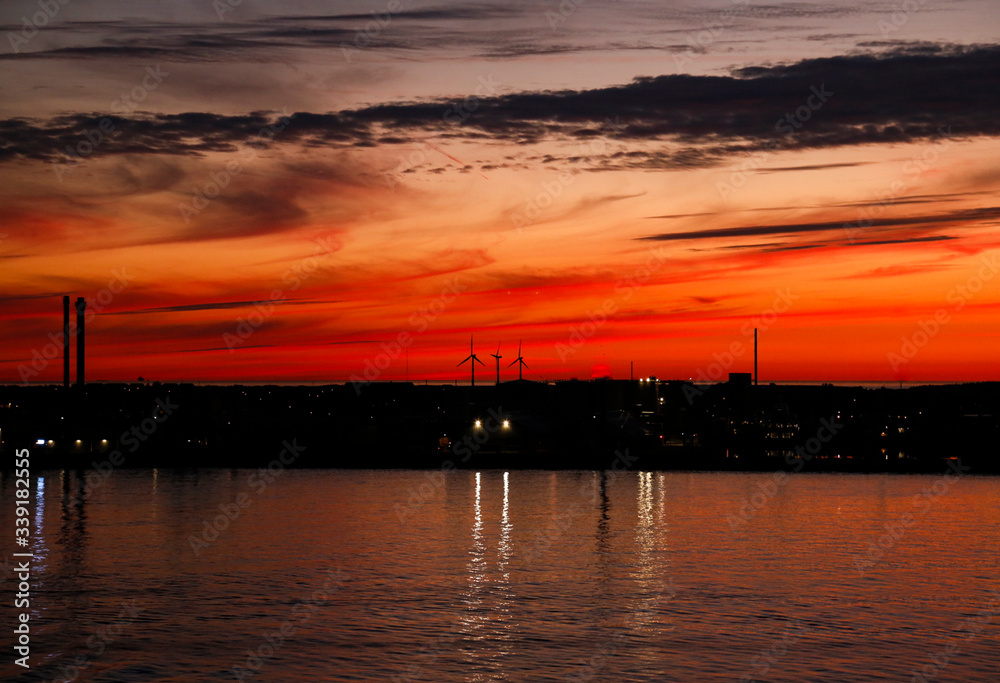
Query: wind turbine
x,y
498,357
519,360
472,365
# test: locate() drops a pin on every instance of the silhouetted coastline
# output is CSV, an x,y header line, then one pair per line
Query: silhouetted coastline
x,y
598,424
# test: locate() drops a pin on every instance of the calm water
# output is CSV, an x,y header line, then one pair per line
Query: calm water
x,y
520,576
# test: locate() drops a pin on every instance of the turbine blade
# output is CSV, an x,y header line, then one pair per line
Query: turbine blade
x,y
463,362
478,361
523,363
513,361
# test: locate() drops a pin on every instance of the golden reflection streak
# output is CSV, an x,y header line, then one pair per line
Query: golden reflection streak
x,y
474,616
649,569
505,529
38,546
488,624
155,502
38,549
503,592
661,489
477,563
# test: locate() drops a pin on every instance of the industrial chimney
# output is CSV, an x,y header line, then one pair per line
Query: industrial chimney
x,y
66,341
81,309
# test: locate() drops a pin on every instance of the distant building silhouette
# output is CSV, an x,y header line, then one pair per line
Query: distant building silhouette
x,y
742,379
66,341
81,310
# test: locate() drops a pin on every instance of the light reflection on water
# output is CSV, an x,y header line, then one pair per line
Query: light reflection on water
x,y
640,577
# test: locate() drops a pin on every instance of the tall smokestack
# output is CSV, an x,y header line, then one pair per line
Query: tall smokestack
x,y
81,310
65,341
755,356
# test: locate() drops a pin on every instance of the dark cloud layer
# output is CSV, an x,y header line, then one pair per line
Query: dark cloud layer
x,y
905,95
956,217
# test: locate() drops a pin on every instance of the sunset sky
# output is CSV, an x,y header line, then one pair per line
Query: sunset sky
x,y
263,191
